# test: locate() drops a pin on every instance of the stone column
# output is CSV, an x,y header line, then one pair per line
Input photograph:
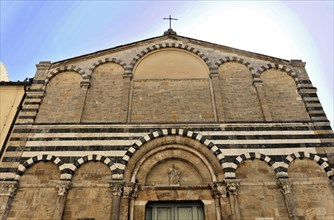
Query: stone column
x,y
218,190
8,191
286,187
117,188
263,102
131,192
232,189
63,186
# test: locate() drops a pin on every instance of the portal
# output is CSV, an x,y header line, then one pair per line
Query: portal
x,y
174,210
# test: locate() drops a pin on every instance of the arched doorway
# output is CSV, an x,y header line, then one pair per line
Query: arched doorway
x,y
174,175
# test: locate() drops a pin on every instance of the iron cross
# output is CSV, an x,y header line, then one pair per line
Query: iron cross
x,y
170,21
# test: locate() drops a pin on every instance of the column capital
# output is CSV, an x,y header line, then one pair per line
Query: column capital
x,y
285,185
232,186
8,188
63,186
116,187
130,190
218,189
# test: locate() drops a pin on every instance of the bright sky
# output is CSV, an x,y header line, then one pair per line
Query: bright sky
x,y
34,31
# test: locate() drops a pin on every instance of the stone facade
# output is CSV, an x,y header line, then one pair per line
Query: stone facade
x,y
169,126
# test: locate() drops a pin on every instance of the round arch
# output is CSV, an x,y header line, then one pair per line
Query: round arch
x,y
282,68
237,60
61,69
103,61
252,156
301,155
95,158
177,45
43,157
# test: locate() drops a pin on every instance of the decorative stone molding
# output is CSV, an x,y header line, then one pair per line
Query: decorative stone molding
x,y
285,185
63,187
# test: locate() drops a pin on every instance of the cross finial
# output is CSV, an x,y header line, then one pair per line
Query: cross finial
x,y
170,21
170,30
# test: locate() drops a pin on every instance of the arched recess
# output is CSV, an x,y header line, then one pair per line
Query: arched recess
x,y
178,45
94,158
251,156
63,99
311,189
42,157
37,193
258,193
171,85
173,168
239,97
284,101
320,161
103,101
66,68
90,194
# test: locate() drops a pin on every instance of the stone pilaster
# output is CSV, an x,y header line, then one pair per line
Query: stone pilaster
x,y
263,102
83,96
218,190
126,98
62,186
286,188
232,190
8,191
218,98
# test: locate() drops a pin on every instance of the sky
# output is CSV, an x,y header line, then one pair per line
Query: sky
x,y
34,31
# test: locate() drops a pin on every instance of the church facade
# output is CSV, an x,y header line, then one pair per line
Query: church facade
x,y
169,128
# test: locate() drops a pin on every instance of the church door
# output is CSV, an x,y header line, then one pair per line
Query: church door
x,y
174,211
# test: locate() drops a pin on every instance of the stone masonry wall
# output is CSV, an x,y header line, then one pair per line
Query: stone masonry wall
x,y
103,102
37,194
171,101
258,194
282,96
61,102
240,101
90,195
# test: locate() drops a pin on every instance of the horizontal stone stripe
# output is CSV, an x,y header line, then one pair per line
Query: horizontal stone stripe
x,y
147,130
274,146
270,141
223,136
266,137
78,143
69,148
74,138
76,153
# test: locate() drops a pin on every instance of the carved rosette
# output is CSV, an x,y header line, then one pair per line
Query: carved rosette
x,y
285,185
218,189
232,187
63,187
8,188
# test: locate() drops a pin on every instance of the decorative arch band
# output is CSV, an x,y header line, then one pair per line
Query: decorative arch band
x,y
165,132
